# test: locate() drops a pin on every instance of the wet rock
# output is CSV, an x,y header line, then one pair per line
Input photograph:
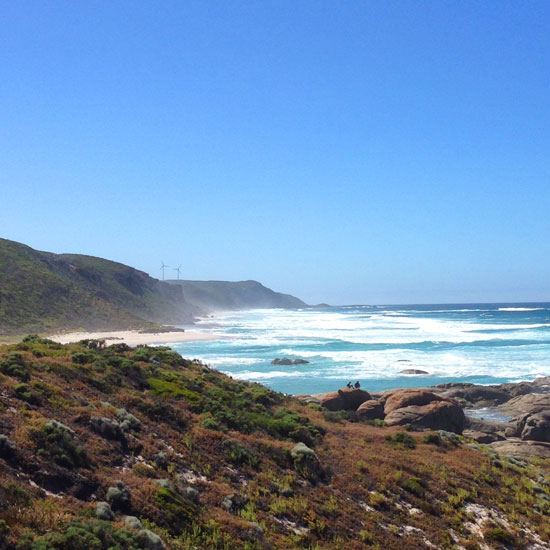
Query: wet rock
x,y
413,371
371,410
103,511
345,399
287,361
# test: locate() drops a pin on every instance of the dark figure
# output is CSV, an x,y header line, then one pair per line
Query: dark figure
x,y
357,385
349,385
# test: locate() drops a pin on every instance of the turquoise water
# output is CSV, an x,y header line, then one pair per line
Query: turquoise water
x,y
479,343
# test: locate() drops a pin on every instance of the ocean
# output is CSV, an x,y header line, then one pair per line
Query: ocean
x,y
478,343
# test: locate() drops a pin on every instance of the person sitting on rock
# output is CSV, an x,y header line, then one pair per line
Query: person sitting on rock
x,y
357,385
349,385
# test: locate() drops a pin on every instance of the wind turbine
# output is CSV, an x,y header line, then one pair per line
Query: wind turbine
x,y
163,266
178,270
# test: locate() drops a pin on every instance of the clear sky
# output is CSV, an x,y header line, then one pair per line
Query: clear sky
x,y
351,152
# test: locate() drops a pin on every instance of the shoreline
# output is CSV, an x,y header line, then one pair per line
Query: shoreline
x,y
134,337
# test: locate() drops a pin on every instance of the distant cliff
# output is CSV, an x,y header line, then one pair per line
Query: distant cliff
x,y
41,292
225,295
45,292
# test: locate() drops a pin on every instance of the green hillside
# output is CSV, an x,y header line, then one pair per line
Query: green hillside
x,y
41,292
113,448
225,295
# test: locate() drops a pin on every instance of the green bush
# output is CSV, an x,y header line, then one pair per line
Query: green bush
x,y
175,511
412,485
23,392
210,424
499,535
239,455
57,442
82,358
14,365
402,439
432,439
97,535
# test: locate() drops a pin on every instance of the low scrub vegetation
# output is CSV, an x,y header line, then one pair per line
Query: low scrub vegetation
x,y
113,448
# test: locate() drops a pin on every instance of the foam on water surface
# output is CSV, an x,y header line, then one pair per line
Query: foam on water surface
x,y
479,343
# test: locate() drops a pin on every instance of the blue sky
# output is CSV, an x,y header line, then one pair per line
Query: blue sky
x,y
348,152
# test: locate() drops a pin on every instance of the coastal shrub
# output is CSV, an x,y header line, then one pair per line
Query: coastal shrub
x,y
265,396
119,498
14,365
402,440
95,345
127,420
210,424
239,455
412,485
499,535
7,448
159,411
93,535
432,439
336,416
461,496
175,511
82,358
23,392
57,442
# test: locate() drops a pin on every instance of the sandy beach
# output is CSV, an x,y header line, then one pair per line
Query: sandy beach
x,y
134,337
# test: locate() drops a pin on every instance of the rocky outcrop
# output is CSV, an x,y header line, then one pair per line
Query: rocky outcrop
x,y
408,398
345,399
371,409
483,437
436,415
287,361
441,408
526,404
470,395
423,409
535,427
517,447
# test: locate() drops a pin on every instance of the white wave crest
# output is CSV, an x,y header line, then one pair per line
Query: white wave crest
x,y
521,308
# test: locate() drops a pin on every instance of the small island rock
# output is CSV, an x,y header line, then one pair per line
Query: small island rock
x,y
413,371
287,361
